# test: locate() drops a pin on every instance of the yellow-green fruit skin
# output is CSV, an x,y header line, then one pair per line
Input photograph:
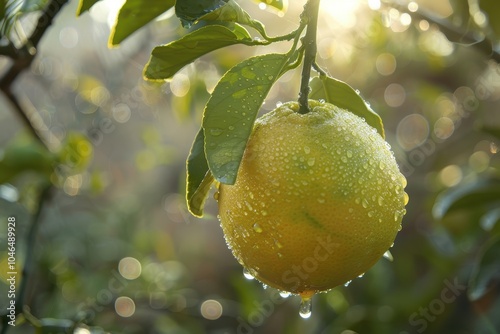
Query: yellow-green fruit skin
x,y
317,201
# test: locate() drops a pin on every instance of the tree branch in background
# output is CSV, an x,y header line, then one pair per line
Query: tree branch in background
x,y
23,57
454,33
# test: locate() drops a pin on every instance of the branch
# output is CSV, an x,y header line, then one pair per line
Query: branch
x,y
454,33
23,57
28,267
311,11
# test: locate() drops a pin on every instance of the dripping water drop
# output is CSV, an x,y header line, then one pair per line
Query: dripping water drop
x,y
247,274
305,309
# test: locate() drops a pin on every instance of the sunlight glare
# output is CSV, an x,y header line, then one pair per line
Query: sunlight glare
x,y
343,12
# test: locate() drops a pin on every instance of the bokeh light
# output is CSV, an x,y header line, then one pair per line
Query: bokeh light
x,y
130,268
124,307
412,131
211,309
395,95
450,175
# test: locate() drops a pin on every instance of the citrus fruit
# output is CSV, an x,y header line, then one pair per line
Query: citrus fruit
x,y
317,201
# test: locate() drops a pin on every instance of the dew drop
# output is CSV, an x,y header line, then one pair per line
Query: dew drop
x,y
307,149
380,201
388,256
370,214
344,159
247,274
231,127
216,132
285,294
349,154
364,203
347,283
403,181
305,309
264,213
406,198
360,276
311,161
321,200
279,104
216,196
257,228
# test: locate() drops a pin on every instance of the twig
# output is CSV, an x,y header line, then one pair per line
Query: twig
x,y
453,33
311,11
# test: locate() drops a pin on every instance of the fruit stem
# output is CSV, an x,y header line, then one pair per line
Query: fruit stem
x,y
311,10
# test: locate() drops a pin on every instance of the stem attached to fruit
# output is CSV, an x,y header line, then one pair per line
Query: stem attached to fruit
x,y
309,41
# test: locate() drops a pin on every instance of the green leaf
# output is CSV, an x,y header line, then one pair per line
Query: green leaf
x,y
189,11
13,9
466,196
199,177
85,5
231,111
134,14
485,271
166,60
344,96
19,158
278,4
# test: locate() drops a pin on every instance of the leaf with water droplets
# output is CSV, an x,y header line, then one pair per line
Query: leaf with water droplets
x,y
167,59
199,178
344,96
134,14
486,272
231,111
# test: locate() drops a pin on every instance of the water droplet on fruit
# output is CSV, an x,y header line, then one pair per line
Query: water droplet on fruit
x,y
307,149
403,181
279,104
264,213
380,200
257,228
247,274
349,154
406,198
388,256
321,200
216,196
347,283
364,203
360,276
311,161
305,309
285,294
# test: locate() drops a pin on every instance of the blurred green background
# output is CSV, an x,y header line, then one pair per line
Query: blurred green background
x,y
115,248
